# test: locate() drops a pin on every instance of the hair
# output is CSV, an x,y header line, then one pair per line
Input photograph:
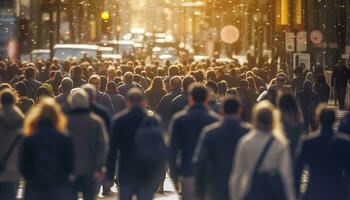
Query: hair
x,y
212,86
135,97
290,110
7,97
266,118
232,104
128,77
198,92
111,87
157,84
326,116
77,71
78,98
175,83
173,71
252,84
21,88
94,77
103,83
30,72
66,85
90,90
222,88
47,110
307,85
187,81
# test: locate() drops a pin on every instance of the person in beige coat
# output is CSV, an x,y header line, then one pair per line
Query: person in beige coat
x,y
11,121
249,150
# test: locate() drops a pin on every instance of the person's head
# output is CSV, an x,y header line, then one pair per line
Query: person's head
x,y
263,117
222,88
30,73
42,91
307,85
157,84
290,110
281,79
211,85
175,83
243,84
211,75
135,97
187,81
232,106
128,77
111,73
198,94
309,76
77,71
5,86
21,89
78,99
325,116
95,81
91,91
66,85
173,71
103,83
111,87
46,114
7,97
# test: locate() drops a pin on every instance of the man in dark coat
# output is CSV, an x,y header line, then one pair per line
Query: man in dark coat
x,y
164,106
30,75
101,97
340,77
181,101
248,97
215,150
326,155
128,84
185,129
124,128
62,99
76,77
308,101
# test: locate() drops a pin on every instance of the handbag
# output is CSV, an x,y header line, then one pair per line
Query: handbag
x,y
265,185
3,161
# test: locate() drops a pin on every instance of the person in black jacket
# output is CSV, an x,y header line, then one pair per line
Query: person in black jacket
x,y
46,157
181,101
185,129
215,150
326,155
124,128
340,77
164,106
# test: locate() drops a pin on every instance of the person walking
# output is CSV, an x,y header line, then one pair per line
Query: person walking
x,y
101,97
322,88
215,149
340,77
185,129
155,92
138,174
90,141
326,154
46,157
11,122
263,150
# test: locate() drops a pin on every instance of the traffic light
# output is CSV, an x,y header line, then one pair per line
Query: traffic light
x,y
105,22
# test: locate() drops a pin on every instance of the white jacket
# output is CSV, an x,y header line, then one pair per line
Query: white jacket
x,y
248,150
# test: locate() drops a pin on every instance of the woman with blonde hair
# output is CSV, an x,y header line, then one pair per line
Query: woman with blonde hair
x,y
46,157
262,159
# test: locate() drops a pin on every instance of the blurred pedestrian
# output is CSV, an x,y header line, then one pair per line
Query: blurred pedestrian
x,y
90,141
185,129
215,150
46,158
11,122
340,77
263,150
135,177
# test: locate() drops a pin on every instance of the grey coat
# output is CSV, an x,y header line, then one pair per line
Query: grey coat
x,y
11,121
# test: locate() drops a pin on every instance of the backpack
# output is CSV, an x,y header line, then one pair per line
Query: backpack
x,y
265,185
149,146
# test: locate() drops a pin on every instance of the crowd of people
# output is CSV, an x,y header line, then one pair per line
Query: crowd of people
x,y
221,130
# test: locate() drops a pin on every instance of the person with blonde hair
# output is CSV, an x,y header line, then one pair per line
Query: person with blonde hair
x,y
46,156
262,159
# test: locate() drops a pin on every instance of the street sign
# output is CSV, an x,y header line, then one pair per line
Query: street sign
x,y
299,58
302,41
316,37
290,44
229,34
